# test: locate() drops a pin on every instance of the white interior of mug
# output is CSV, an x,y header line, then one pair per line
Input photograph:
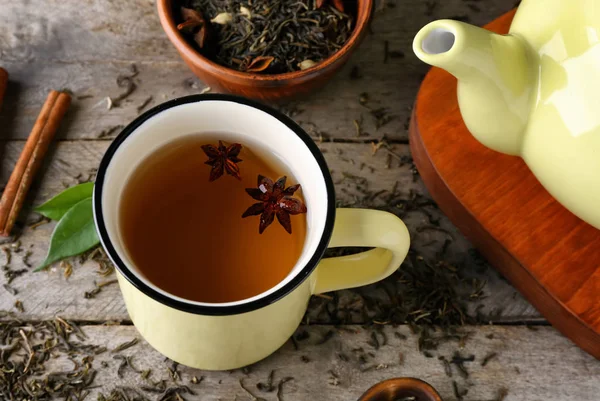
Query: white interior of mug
x,y
234,122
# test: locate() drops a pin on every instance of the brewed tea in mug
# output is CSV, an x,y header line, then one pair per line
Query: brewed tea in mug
x,y
182,221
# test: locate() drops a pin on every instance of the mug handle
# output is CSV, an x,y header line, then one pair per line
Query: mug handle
x,y
367,228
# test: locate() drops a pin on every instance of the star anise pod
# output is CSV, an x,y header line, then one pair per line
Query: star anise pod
x,y
192,20
338,4
222,159
260,63
274,200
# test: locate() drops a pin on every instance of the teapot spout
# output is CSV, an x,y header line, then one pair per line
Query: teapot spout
x,y
495,79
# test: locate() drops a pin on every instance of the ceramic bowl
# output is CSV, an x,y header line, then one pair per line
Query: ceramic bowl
x,y
259,86
400,388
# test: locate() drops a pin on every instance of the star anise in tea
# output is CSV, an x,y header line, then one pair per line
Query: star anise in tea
x,y
274,200
223,159
338,4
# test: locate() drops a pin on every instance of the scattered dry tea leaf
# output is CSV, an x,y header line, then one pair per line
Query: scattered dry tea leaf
x,y
358,126
268,385
247,390
10,290
68,268
126,345
145,103
92,294
126,82
488,358
280,387
260,63
8,255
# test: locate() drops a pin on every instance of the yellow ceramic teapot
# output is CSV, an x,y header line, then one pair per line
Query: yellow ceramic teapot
x,y
534,93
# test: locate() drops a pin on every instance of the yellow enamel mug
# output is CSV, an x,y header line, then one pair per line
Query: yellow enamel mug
x,y
220,336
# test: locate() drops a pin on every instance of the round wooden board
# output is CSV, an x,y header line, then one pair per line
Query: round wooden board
x,y
549,255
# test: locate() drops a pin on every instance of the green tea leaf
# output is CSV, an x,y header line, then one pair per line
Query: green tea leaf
x,y
75,233
56,207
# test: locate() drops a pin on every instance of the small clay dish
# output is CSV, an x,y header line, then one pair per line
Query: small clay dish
x,y
263,86
400,389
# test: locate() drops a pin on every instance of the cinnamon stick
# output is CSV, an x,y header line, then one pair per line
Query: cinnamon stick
x,y
3,83
31,159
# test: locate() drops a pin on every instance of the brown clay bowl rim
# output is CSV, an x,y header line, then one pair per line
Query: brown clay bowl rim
x,y
399,384
168,24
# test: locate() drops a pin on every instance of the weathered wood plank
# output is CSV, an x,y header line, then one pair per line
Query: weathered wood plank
x,y
45,295
531,365
92,84
330,112
63,46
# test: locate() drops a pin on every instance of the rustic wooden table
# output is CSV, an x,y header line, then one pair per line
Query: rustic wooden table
x,y
84,45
